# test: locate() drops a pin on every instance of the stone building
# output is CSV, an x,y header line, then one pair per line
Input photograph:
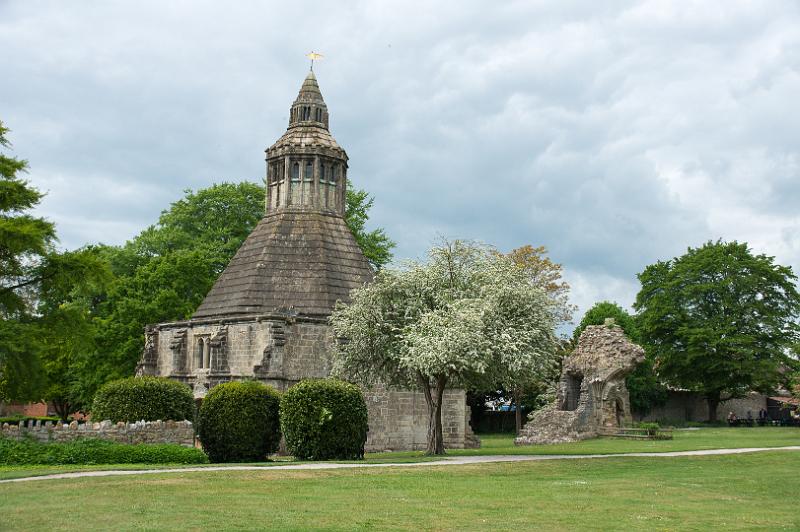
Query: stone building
x,y
591,398
266,318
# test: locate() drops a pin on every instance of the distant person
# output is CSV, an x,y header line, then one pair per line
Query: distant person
x,y
732,418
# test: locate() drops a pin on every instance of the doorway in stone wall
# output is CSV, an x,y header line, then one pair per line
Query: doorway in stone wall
x,y
572,393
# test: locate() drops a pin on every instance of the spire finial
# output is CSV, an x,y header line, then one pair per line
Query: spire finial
x,y
313,56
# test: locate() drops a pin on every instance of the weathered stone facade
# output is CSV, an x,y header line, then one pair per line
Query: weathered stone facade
x,y
266,317
592,398
180,432
682,406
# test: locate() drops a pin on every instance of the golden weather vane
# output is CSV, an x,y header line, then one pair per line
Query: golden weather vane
x,y
314,56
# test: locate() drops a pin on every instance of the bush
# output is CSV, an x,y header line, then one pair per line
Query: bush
x,y
324,419
238,422
143,398
93,451
19,419
651,428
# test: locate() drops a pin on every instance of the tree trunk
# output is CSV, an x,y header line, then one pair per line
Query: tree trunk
x,y
517,412
434,393
713,402
63,408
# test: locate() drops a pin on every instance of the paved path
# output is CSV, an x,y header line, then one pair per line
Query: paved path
x,y
460,460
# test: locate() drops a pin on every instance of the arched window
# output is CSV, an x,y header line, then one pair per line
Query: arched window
x,y
206,354
296,172
309,173
322,168
198,354
333,174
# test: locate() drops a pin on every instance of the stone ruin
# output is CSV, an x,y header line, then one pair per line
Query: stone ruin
x,y
180,432
591,398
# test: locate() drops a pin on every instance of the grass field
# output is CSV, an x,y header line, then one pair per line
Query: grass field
x,y
684,440
496,444
736,492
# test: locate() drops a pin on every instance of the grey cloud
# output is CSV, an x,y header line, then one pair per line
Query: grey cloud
x,y
615,133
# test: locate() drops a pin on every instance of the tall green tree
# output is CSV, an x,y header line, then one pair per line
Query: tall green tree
x,y
546,275
645,390
468,317
602,310
164,273
67,330
375,244
35,280
719,320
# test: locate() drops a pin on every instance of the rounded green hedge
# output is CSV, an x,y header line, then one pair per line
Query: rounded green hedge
x,y
94,451
143,398
324,419
238,422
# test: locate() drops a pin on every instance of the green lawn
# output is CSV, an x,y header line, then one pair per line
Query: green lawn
x,y
736,492
685,440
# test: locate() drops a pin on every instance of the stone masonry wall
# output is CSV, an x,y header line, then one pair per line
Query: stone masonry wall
x,y
180,432
398,420
281,352
691,406
306,354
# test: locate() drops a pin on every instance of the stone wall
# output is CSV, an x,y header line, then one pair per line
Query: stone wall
x,y
281,350
691,406
180,432
398,420
306,354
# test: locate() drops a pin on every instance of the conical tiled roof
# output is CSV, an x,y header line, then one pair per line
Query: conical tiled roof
x,y
309,91
298,261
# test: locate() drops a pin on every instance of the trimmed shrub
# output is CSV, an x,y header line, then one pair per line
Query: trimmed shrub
x,y
143,398
19,419
651,428
93,451
238,422
324,419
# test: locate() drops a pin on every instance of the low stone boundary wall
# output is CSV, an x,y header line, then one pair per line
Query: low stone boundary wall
x,y
180,432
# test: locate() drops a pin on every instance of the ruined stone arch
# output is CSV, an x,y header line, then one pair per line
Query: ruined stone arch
x,y
614,406
619,413
573,382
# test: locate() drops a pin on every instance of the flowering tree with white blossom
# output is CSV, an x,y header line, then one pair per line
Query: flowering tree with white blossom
x,y
466,317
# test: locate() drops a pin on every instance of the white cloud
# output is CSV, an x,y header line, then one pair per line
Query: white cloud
x,y
615,133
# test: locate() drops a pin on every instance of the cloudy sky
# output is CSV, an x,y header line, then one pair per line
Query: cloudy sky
x,y
614,133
